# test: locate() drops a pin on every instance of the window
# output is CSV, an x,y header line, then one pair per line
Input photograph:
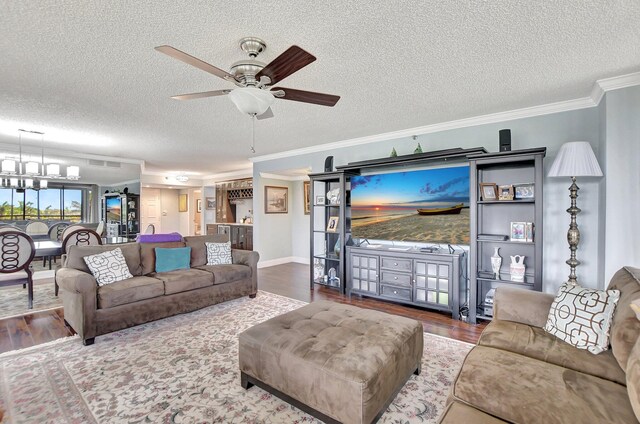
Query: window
x,y
55,203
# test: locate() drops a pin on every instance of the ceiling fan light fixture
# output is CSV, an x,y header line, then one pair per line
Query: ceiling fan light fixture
x,y
182,178
251,100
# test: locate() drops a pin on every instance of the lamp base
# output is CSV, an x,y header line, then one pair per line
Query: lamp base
x,y
573,235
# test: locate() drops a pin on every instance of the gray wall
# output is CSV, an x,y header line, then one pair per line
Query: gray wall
x,y
550,131
621,166
272,232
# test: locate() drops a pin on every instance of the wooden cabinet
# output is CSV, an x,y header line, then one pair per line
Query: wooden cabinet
x,y
122,211
491,217
431,280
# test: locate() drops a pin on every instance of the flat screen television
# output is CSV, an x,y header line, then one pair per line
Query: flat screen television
x,y
430,206
114,209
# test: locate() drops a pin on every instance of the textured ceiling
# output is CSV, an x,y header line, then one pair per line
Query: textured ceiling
x,y
87,74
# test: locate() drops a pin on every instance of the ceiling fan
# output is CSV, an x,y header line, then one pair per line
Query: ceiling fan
x,y
255,80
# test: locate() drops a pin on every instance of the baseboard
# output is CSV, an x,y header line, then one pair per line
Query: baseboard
x,y
285,260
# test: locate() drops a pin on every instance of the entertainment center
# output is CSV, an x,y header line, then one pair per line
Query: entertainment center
x,y
431,204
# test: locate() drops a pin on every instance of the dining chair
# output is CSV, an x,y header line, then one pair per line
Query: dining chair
x,y
17,253
10,227
151,229
100,228
36,228
69,229
55,234
78,237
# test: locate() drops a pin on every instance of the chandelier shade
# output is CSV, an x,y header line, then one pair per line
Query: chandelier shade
x,y
32,168
73,172
53,170
8,166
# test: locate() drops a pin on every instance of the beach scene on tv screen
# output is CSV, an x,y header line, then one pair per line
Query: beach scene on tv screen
x,y
430,206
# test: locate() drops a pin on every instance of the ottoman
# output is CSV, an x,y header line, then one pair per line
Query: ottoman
x,y
337,362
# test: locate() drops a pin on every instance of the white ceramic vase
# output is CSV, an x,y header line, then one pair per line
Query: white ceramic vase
x,y
496,262
517,268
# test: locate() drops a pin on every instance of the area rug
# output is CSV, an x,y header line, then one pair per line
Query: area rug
x,y
184,369
14,299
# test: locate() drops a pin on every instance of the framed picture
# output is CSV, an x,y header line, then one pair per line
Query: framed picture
x,y
276,199
524,191
320,200
332,225
505,192
519,231
529,231
210,203
489,191
307,200
182,203
199,205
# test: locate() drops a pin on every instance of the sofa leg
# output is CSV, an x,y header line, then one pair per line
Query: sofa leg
x,y
418,370
252,296
89,342
244,381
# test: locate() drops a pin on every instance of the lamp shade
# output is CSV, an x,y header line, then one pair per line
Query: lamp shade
x,y
8,166
73,172
575,159
251,100
32,168
53,170
44,184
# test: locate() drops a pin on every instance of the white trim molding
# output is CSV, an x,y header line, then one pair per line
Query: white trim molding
x,y
284,177
285,260
599,88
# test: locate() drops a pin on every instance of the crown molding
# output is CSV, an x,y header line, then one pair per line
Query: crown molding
x,y
600,87
284,177
122,183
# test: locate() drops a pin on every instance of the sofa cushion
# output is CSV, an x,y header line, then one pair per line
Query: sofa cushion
x,y
148,254
582,317
130,251
459,413
535,343
625,328
633,378
129,291
199,250
184,279
218,253
227,273
171,259
108,267
520,389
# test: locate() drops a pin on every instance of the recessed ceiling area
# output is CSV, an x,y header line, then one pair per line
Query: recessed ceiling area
x,y
90,69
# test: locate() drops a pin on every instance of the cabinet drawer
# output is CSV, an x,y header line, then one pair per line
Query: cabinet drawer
x,y
396,264
395,278
395,292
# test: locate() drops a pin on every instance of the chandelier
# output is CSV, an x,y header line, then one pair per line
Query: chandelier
x,y
31,174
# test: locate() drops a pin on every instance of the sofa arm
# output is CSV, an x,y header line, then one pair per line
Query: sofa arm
x,y
249,258
79,297
523,306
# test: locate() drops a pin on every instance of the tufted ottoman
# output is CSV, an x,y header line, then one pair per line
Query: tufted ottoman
x,y
337,362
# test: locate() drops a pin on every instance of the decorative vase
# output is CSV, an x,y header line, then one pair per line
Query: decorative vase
x,y
496,261
337,247
318,270
517,268
393,154
332,276
418,149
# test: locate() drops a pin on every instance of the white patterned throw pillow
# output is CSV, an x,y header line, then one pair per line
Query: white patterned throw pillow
x,y
582,317
108,267
218,253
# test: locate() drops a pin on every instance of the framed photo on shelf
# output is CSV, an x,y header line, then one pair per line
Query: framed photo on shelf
x,y
489,191
210,203
524,191
332,225
320,200
276,199
529,231
505,192
519,231
307,201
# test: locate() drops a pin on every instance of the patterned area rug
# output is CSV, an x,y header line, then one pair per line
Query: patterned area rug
x,y
184,369
14,299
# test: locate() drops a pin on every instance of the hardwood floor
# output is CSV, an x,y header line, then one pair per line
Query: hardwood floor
x,y
290,280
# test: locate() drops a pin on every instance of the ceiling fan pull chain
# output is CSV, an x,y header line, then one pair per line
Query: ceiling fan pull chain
x,y
253,133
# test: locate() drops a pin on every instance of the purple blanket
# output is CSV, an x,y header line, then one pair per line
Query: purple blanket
x,y
158,238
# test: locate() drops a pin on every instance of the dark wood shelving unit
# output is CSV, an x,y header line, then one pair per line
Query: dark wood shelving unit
x,y
495,217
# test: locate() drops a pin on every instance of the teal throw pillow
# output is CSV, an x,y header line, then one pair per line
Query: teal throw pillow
x,y
170,259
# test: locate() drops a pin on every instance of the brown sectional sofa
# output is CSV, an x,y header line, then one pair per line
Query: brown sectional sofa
x,y
93,310
520,374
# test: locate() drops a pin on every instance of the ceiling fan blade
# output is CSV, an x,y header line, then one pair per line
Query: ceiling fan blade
x,y
291,60
194,61
201,95
307,96
267,114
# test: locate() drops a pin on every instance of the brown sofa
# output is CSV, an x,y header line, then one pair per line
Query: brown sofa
x,y
520,374
93,310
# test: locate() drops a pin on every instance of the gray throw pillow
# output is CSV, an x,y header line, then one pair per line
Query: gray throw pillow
x,y
218,253
108,267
